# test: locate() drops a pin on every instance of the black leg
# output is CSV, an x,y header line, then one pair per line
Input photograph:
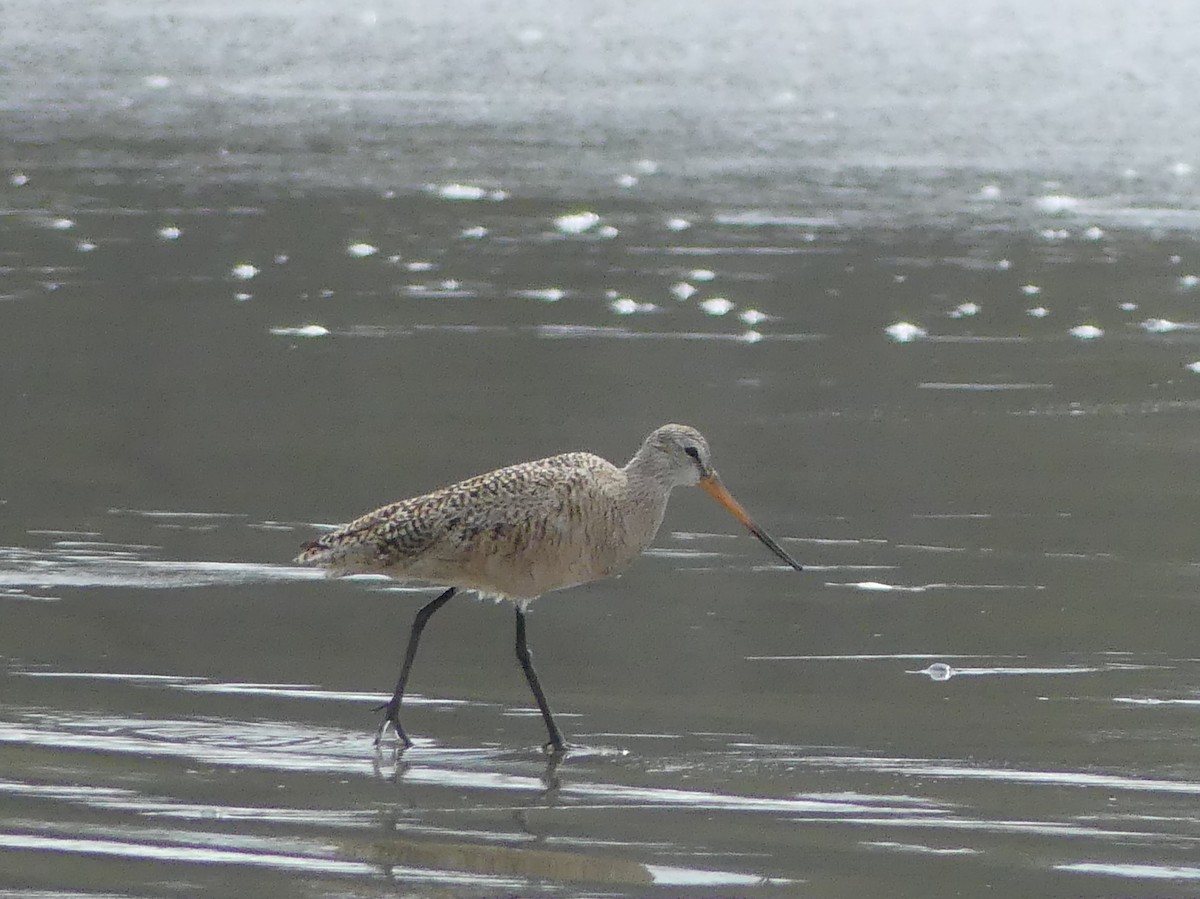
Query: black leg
x,y
526,660
391,713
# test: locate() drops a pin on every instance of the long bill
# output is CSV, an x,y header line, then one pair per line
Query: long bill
x,y
713,487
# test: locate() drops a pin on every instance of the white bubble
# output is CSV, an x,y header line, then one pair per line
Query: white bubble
x,y
1193,366
1093,233
939,671
682,290
305,331
678,224
474,233
461,192
420,266
1003,264
1159,325
904,332
280,258
989,192
716,306
361,250
244,271
18,179
1187,282
752,316
608,232
1037,312
750,336
545,294
627,181
242,297
1030,290
62,224
1086,332
157,82
576,222
964,310
702,274
169,232
646,166
85,246
1128,307
1181,169
626,306
1056,203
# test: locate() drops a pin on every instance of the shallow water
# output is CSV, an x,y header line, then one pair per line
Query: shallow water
x,y
962,393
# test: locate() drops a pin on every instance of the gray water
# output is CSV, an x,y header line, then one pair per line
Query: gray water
x,y
926,278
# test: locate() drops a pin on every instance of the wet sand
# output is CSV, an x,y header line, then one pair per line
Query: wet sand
x,y
964,398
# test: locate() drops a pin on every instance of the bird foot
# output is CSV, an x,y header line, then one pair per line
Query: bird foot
x,y
391,715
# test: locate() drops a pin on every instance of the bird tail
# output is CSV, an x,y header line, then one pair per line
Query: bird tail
x,y
314,552
334,551
338,552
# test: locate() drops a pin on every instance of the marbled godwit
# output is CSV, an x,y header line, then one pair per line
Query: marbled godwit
x,y
518,532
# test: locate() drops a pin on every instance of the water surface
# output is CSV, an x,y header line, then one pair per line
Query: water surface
x,y
951,368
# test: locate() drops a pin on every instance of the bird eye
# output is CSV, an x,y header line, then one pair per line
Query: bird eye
x,y
693,452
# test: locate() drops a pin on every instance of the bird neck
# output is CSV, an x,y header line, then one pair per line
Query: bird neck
x,y
648,483
649,472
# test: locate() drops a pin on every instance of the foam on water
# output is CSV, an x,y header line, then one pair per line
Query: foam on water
x,y
460,192
940,671
905,332
186,854
716,306
72,567
576,223
301,331
681,290
1132,871
545,294
936,768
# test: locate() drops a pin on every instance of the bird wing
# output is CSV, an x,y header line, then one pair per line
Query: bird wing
x,y
393,531
512,508
500,511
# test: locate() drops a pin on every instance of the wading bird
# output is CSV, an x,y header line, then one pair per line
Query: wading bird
x,y
518,532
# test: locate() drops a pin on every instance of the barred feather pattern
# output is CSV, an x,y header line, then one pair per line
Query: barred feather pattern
x,y
514,533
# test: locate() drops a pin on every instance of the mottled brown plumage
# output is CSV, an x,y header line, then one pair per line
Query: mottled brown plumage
x,y
518,532
514,533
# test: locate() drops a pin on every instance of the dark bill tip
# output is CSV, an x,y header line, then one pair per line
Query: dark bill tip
x,y
774,547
